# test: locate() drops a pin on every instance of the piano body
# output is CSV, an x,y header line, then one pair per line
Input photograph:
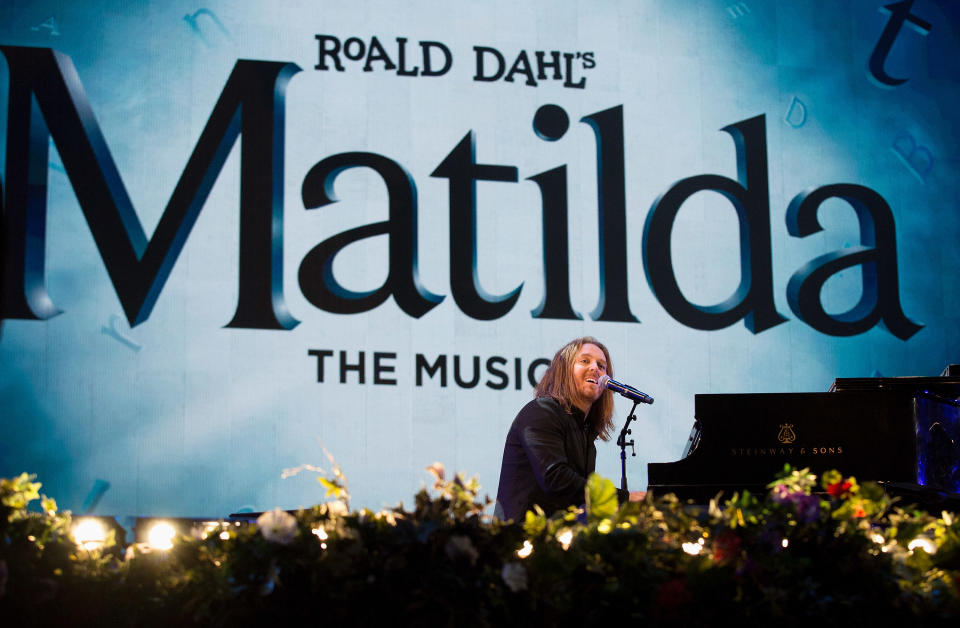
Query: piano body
x,y
903,432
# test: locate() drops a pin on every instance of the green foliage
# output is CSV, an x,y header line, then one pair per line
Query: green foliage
x,y
812,551
601,497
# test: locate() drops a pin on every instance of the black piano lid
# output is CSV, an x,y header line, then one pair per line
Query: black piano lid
x,y
901,431
948,386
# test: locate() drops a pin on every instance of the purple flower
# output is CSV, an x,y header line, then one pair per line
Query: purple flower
x,y
806,506
780,494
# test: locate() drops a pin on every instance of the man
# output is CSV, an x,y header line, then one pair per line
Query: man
x,y
550,448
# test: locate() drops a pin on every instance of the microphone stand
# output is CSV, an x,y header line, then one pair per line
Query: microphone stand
x,y
623,442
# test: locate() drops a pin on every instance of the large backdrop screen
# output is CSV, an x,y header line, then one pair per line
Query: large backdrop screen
x,y
238,233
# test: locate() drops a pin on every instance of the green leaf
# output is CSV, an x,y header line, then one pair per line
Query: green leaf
x,y
830,477
872,491
601,497
534,521
783,475
17,492
49,505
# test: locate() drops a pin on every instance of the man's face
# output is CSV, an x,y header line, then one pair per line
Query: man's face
x,y
589,365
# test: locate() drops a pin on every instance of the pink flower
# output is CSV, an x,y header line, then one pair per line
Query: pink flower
x,y
780,493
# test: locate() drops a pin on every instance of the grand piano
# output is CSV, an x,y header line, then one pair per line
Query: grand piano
x,y
902,432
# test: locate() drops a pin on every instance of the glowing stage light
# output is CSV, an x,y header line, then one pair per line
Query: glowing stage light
x,y
161,535
691,548
89,533
923,543
526,550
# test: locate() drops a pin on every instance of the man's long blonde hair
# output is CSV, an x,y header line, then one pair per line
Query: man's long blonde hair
x,y
558,382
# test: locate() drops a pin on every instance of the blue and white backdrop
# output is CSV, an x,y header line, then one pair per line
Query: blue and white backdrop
x,y
235,230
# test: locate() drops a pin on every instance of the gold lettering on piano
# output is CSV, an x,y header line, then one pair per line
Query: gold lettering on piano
x,y
836,450
761,451
820,451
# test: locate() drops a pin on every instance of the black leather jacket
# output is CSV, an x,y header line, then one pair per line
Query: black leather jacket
x,y
547,458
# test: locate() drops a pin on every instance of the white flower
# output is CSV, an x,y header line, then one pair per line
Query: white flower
x,y
387,516
515,575
460,546
278,526
437,470
337,507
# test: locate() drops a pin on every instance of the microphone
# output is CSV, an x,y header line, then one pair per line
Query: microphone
x,y
627,391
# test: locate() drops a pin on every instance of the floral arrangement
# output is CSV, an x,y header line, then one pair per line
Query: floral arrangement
x,y
831,551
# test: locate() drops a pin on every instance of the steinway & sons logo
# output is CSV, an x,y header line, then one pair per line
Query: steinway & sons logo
x,y
786,436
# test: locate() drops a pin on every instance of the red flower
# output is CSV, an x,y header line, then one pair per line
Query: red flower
x,y
839,489
726,547
673,594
